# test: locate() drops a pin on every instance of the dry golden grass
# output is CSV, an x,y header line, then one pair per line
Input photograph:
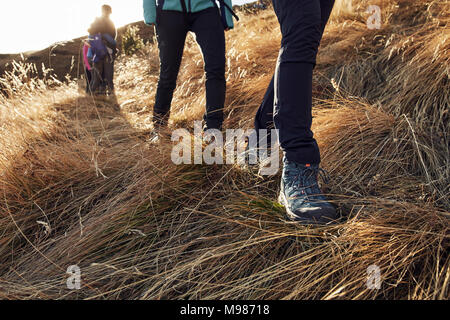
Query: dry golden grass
x,y
79,185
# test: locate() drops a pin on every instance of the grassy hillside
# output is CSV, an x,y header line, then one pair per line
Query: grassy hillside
x,y
79,184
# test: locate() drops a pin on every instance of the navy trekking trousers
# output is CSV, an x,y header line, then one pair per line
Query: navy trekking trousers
x,y
172,28
288,101
103,74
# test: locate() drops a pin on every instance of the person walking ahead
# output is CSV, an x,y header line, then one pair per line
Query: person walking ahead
x,y
103,67
287,106
173,19
87,66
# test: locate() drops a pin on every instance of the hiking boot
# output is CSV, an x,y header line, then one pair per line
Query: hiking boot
x,y
159,134
160,129
155,137
265,162
301,196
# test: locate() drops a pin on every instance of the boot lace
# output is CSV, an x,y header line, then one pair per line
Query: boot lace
x,y
305,182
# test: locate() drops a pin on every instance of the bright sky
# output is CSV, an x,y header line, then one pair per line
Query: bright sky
x,y
35,24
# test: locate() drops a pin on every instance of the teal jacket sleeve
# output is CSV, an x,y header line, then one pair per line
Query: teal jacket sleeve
x,y
150,11
229,16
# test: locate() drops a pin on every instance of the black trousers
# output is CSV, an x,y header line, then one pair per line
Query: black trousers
x,y
172,29
88,76
103,74
288,101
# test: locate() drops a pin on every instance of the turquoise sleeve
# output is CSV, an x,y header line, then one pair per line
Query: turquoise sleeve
x,y
150,11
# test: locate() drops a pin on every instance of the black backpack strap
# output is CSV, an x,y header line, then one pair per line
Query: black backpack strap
x,y
223,3
183,6
222,8
159,9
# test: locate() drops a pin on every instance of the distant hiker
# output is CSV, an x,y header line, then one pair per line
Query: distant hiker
x,y
173,20
104,47
87,66
287,106
260,5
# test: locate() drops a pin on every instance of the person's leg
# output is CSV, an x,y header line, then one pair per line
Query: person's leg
x,y
97,72
171,33
302,27
264,115
208,28
88,75
301,32
265,112
113,88
109,74
326,6
103,83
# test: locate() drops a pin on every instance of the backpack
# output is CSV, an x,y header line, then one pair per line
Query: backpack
x,y
111,45
223,9
98,48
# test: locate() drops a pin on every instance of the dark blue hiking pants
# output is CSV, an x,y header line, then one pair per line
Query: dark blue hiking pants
x,y
288,101
103,75
171,29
